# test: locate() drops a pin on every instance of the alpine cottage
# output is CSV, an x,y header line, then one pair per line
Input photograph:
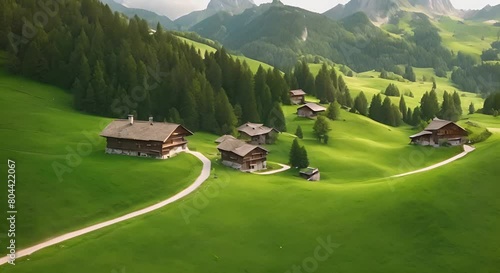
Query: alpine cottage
x,y
297,96
240,155
145,138
257,133
310,110
439,132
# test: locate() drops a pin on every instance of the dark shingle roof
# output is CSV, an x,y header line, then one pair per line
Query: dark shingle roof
x,y
238,147
254,129
298,92
437,124
141,130
224,138
314,107
423,133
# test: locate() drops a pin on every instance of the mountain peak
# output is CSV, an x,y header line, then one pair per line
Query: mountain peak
x,y
377,10
231,6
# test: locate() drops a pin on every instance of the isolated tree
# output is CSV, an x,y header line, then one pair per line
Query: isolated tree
x,y
457,102
417,116
299,133
321,127
303,158
361,104
392,90
333,111
298,155
472,109
410,74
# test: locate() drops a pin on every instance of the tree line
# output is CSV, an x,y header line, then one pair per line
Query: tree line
x,y
115,66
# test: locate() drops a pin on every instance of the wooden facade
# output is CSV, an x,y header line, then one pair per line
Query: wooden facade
x,y
310,110
255,160
440,132
147,139
297,97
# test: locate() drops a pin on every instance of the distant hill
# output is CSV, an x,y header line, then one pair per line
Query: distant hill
x,y
380,10
487,13
279,35
152,18
232,7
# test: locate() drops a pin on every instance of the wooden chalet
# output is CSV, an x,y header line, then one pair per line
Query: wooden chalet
x,y
297,96
310,110
145,138
224,138
240,155
257,134
439,132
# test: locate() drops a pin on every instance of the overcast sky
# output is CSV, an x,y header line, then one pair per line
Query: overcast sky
x,y
176,8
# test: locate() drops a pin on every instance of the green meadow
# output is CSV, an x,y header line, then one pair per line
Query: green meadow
x,y
253,64
64,179
445,220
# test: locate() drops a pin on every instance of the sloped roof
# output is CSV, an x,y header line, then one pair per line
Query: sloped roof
x,y
423,133
314,107
298,92
309,171
224,138
437,124
238,147
141,130
255,129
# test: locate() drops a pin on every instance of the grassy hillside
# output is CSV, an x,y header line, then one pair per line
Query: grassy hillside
x,y
370,83
41,131
441,221
253,64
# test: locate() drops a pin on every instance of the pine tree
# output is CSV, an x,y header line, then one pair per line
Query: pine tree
x,y
78,94
361,104
89,103
410,74
295,154
303,158
225,116
458,103
276,118
299,133
409,117
333,111
402,107
417,116
321,127
392,90
472,109
375,111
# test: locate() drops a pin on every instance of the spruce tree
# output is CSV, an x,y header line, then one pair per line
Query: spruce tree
x,y
361,104
333,111
402,107
303,158
472,109
299,133
375,111
295,154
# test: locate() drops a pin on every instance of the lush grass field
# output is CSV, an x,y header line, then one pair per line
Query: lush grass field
x,y
442,221
40,130
253,64
467,36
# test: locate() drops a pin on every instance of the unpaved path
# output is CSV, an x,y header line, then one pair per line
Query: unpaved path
x,y
467,149
205,173
283,168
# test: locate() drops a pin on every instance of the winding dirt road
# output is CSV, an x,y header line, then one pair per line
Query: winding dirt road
x,y
205,174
